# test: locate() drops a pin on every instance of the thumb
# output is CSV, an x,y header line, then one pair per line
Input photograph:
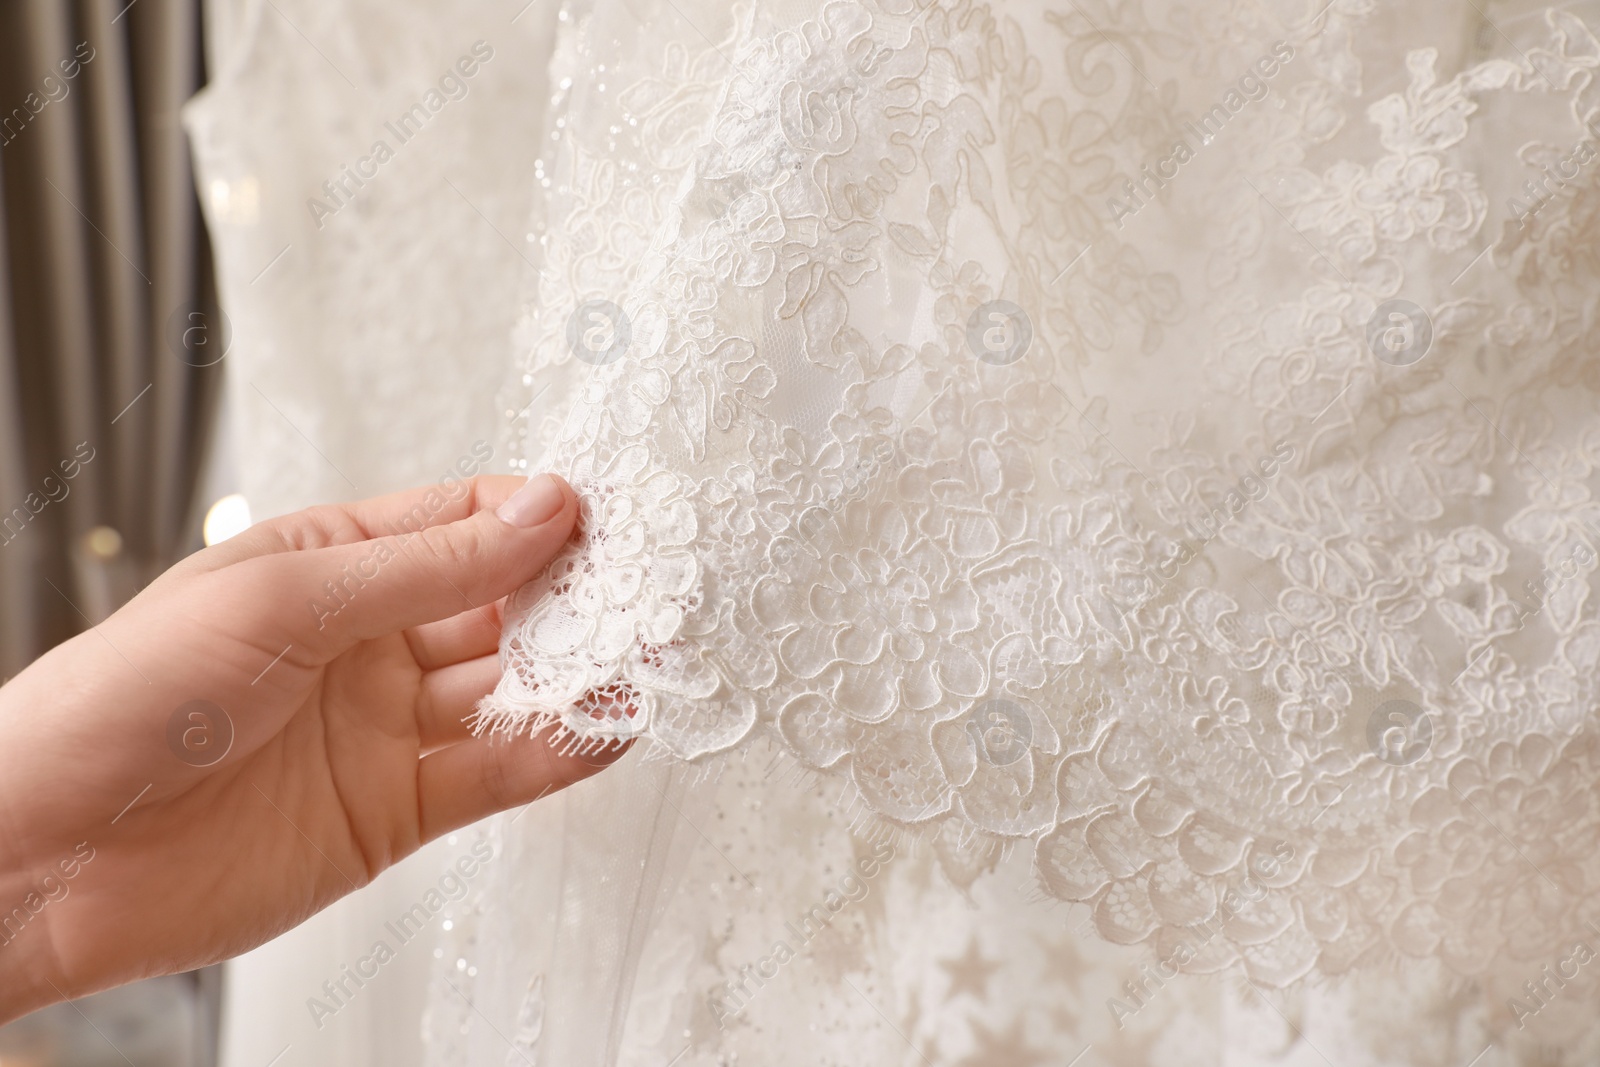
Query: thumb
x,y
358,592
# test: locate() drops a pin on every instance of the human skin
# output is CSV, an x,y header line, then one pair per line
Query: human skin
x,y
349,751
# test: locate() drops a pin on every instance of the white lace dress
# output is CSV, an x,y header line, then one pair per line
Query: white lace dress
x,y
1093,509
1147,452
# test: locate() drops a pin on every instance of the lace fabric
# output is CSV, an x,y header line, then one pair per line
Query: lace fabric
x,y
1159,437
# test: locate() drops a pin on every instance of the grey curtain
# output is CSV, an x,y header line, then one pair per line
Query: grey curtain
x,y
106,307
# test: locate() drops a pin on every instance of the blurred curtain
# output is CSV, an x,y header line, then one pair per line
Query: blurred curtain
x,y
108,328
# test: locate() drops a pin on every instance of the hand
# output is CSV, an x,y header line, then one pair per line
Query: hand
x,y
337,652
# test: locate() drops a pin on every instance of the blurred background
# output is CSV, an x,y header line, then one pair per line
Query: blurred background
x,y
104,435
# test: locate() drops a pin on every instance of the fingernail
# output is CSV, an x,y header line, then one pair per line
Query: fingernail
x,y
537,502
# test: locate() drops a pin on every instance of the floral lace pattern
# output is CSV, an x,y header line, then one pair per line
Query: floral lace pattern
x,y
1273,603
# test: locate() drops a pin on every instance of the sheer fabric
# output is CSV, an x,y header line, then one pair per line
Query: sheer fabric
x,y
367,349
1148,448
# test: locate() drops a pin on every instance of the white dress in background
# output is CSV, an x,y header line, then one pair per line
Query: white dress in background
x,y
366,357
1093,508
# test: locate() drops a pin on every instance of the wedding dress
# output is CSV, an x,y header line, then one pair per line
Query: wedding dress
x,y
1091,509
1156,442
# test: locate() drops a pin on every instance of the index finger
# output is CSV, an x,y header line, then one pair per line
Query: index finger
x,y
330,525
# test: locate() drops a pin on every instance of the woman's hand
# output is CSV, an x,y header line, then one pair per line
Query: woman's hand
x,y
264,729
